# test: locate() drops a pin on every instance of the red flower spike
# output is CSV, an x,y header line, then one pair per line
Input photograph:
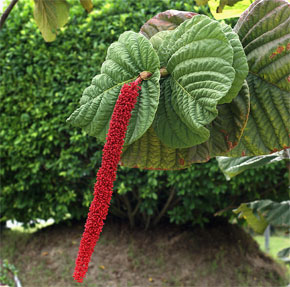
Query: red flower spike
x,y
106,176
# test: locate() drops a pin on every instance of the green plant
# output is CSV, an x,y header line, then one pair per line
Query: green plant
x,y
49,15
7,273
39,92
189,71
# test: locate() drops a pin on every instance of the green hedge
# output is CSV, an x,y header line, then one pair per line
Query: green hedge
x,y
48,168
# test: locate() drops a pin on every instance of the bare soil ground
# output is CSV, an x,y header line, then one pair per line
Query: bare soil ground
x,y
219,255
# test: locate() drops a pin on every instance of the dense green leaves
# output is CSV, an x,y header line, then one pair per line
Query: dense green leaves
x,y
264,33
50,15
232,166
125,60
260,213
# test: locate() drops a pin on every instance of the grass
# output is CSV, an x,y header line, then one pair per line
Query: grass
x,y
276,244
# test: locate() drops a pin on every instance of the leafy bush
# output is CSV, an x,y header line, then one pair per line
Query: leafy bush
x,y
48,168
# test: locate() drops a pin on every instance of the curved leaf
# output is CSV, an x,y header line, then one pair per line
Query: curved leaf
x,y
239,64
167,20
228,8
49,16
87,4
264,33
284,253
225,130
125,60
150,152
256,221
265,212
199,58
169,127
234,166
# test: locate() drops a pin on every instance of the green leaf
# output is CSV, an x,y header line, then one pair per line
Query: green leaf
x,y
87,4
265,212
167,20
151,153
264,33
239,64
125,60
50,15
284,253
256,222
199,58
157,39
234,166
169,127
222,9
225,130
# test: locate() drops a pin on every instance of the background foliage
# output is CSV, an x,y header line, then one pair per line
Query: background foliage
x,y
48,168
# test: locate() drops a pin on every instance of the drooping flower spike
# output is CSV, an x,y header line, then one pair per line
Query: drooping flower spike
x,y
106,176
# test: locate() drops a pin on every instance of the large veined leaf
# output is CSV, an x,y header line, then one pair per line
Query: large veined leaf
x,y
260,213
232,166
199,58
169,127
50,15
167,20
225,130
264,31
149,152
125,60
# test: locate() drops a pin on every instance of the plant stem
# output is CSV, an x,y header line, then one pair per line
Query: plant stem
x,y
7,12
165,207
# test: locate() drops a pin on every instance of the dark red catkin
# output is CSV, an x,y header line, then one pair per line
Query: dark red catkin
x,y
106,176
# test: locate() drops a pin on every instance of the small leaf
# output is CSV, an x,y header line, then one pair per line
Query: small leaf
x,y
167,20
256,222
232,166
50,15
125,60
222,9
259,214
87,4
